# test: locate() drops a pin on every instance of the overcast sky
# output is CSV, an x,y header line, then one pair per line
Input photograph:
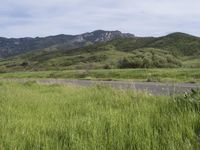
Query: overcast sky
x,y
22,18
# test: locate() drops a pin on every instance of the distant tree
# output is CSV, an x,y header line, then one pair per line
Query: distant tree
x,y
159,61
125,63
137,62
147,62
131,62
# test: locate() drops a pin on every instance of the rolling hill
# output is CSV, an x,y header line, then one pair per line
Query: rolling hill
x,y
173,50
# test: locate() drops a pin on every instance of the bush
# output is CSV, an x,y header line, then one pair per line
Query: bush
x,y
150,58
147,62
131,62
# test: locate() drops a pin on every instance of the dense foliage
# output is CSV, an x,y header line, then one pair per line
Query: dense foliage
x,y
150,58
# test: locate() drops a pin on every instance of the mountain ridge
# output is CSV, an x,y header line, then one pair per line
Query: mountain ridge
x,y
15,46
172,50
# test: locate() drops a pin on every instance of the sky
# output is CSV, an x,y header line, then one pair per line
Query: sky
x,y
31,18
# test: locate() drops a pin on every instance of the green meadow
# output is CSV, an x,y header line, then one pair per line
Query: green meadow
x,y
190,75
54,117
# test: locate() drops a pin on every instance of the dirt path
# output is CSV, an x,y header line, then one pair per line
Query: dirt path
x,y
154,88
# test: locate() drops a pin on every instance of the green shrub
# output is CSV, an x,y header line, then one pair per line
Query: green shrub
x,y
131,62
149,58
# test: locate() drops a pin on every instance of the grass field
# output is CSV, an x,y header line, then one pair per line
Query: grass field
x,y
154,75
53,117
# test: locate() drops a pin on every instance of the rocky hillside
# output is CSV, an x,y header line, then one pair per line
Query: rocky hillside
x,y
15,46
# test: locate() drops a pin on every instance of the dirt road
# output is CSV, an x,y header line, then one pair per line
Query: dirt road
x,y
154,88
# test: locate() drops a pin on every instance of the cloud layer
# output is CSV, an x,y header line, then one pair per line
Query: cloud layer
x,y
22,18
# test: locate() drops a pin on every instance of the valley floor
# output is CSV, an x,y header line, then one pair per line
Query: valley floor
x,y
151,87
186,75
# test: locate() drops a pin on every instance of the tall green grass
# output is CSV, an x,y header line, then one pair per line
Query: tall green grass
x,y
53,117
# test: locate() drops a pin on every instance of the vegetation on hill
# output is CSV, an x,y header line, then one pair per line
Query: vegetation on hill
x,y
150,58
176,43
179,43
107,58
173,50
37,117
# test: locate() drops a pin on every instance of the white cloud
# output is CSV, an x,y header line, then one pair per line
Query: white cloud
x,y
145,18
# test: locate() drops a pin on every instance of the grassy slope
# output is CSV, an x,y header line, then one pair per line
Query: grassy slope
x,y
178,46
90,57
179,43
192,62
157,75
57,117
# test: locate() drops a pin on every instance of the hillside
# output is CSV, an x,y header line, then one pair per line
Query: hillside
x,y
177,43
15,46
174,50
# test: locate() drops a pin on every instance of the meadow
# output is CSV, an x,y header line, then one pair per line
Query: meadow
x,y
34,116
190,75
